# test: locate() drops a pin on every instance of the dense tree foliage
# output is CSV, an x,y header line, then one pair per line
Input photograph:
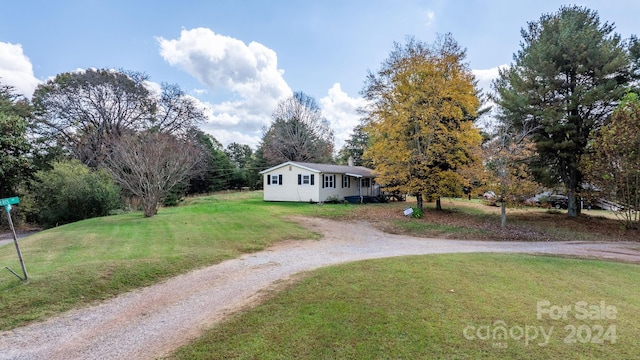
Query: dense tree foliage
x,y
354,148
16,161
299,132
257,164
70,192
566,79
216,170
613,164
420,121
239,154
241,157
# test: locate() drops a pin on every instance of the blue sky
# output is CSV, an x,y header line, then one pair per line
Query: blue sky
x,y
239,58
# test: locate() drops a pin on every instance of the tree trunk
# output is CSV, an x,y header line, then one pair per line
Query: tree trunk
x,y
573,206
150,207
503,214
150,211
419,202
573,189
438,203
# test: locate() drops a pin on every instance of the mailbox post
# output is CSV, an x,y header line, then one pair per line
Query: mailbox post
x,y
7,202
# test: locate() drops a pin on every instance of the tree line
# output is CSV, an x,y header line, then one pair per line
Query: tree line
x,y
94,142
566,110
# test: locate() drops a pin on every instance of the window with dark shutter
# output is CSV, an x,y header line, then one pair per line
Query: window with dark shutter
x,y
299,179
312,179
280,179
329,181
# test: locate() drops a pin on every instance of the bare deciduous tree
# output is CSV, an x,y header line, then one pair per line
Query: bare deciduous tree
x,y
506,159
299,132
84,109
175,112
149,164
87,110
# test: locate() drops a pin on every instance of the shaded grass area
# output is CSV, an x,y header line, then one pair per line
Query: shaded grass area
x,y
95,259
464,219
432,307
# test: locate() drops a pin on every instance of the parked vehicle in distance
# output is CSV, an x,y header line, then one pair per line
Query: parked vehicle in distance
x,y
489,195
548,199
558,201
603,204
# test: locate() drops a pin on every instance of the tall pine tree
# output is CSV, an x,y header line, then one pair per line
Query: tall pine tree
x,y
566,79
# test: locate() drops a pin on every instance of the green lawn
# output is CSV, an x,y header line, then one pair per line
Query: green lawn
x,y
441,307
95,259
413,307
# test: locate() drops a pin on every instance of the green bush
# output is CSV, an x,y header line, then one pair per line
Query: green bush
x,y
175,195
71,191
417,213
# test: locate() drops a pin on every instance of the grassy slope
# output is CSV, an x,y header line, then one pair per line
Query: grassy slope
x,y
98,258
418,308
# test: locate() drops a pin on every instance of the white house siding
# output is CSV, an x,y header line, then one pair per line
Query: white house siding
x,y
290,184
290,190
337,191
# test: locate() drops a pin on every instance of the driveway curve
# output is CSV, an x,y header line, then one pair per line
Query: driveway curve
x,y
152,322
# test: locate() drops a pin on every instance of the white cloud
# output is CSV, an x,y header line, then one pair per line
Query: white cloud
x,y
249,73
153,87
16,69
226,137
200,91
430,17
484,78
341,111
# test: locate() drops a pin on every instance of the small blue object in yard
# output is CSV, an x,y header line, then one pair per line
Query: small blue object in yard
x,y
408,211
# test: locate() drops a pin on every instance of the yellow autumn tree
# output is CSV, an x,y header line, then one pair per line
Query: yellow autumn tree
x,y
420,119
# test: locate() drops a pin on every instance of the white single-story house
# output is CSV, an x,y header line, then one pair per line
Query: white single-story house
x,y
309,182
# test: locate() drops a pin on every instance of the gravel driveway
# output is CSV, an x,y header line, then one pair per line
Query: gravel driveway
x,y
152,322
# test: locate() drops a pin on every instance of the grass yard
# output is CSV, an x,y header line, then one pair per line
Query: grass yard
x,y
81,263
471,219
441,307
95,259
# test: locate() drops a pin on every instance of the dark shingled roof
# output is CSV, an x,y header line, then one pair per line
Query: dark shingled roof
x,y
337,169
